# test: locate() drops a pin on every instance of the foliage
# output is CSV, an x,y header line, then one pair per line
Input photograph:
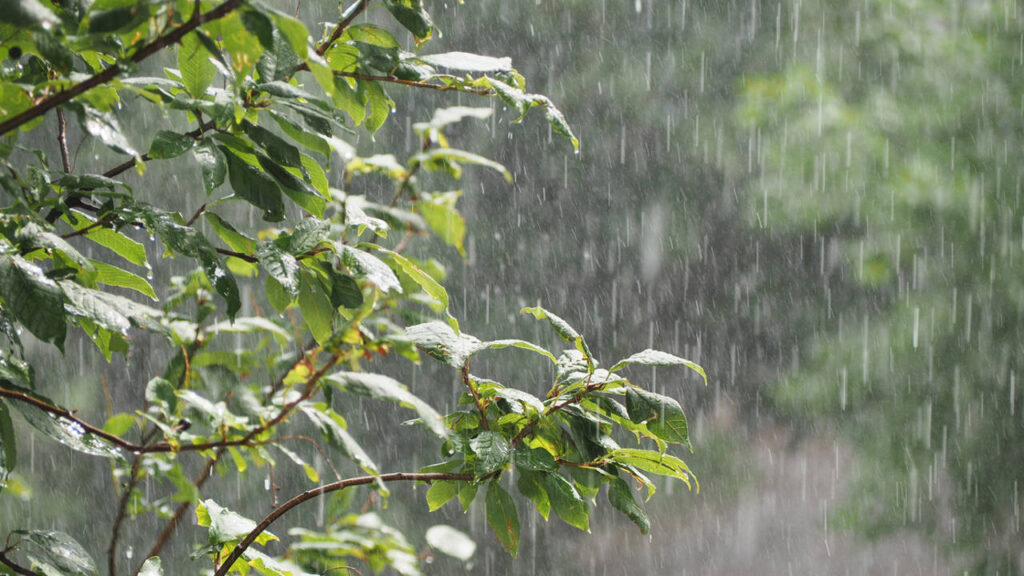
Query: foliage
x,y
274,108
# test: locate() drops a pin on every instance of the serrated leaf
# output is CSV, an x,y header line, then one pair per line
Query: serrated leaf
x,y
280,265
114,276
663,415
657,358
384,388
368,266
529,485
621,497
34,300
654,462
566,501
502,517
492,451
110,311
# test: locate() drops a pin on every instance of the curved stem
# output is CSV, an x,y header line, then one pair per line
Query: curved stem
x,y
320,490
10,564
172,37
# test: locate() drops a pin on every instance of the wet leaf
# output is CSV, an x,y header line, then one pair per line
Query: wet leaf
x,y
450,541
502,517
55,553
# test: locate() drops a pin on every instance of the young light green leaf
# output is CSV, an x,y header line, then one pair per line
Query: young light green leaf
x,y
227,526
114,276
440,493
502,517
654,462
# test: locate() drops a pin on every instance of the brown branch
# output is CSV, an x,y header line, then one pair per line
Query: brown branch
x,y
476,397
179,513
62,138
320,490
115,532
172,37
347,18
17,569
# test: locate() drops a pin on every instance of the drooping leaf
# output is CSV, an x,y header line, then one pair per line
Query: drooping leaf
x,y
114,276
55,553
440,493
467,62
537,459
105,127
384,388
369,267
621,497
529,485
8,447
316,306
654,462
66,431
212,163
281,265
566,501
332,427
502,517
657,358
33,299
255,187
152,567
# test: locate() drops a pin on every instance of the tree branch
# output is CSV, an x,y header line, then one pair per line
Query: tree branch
x,y
172,37
62,138
347,18
320,490
476,397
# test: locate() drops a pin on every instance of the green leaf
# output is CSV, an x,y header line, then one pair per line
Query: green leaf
x,y
656,358
119,424
440,493
316,307
151,567
566,332
450,541
114,276
67,431
308,139
370,267
384,388
279,150
529,485
284,268
412,16
55,553
345,292
33,299
442,343
8,446
212,163
621,497
311,472
537,459
110,311
445,221
654,462
306,235
105,127
112,240
425,281
566,501
117,19
492,451
233,238
255,187
32,235
170,144
502,517
293,30
437,158
332,427
227,526
523,102
663,415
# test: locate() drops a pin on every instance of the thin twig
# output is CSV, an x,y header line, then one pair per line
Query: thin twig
x,y
62,138
320,490
98,79
122,508
179,512
347,18
476,397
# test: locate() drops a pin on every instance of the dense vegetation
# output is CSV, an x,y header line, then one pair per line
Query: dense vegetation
x,y
298,290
